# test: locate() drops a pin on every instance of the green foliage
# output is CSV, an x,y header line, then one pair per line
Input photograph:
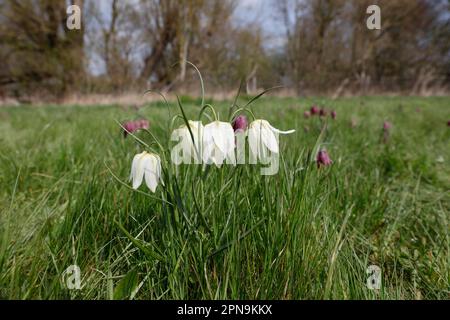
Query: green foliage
x,y
228,233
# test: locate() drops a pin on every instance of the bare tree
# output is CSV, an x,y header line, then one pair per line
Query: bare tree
x,y
328,44
40,50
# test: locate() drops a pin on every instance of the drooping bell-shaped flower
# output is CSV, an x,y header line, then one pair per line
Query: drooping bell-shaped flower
x,y
333,115
240,123
306,114
143,124
146,165
323,159
218,143
133,126
262,137
386,131
314,110
129,127
323,112
191,149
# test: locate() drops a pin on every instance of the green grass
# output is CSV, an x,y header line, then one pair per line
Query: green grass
x,y
228,233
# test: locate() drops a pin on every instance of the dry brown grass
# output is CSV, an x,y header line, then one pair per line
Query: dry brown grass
x,y
135,99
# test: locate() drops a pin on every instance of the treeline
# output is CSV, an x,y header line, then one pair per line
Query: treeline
x,y
323,46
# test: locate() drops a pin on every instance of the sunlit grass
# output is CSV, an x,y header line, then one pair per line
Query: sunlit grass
x,y
230,233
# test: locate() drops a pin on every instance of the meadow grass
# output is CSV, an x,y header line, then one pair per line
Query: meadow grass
x,y
228,233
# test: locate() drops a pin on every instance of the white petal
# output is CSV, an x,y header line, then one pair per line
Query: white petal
x,y
151,166
196,126
218,156
175,136
134,165
253,141
218,143
188,146
138,175
263,153
219,136
262,137
228,133
269,140
187,134
207,153
151,180
231,157
208,144
190,143
197,132
281,132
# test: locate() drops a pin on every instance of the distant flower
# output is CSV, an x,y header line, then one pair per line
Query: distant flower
x,y
314,110
144,124
323,112
448,123
354,123
129,127
386,131
333,114
307,114
146,165
133,126
240,123
218,143
261,135
323,159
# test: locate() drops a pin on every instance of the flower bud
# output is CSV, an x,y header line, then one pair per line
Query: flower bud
x,y
240,123
333,115
314,110
323,159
